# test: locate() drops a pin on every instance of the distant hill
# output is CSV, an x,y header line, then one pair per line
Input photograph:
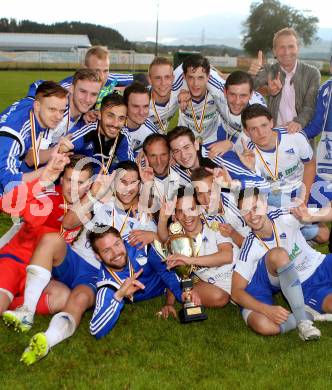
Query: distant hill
x,y
98,35
206,50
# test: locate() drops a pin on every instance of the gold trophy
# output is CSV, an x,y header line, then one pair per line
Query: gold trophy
x,y
179,243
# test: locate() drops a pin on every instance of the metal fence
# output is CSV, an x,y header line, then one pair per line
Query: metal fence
x,y
119,59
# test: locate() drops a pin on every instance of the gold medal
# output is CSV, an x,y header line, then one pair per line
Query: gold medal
x,y
175,228
214,225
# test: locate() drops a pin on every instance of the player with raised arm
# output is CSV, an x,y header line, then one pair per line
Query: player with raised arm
x,y
23,127
188,156
43,214
218,207
285,160
82,97
291,84
123,280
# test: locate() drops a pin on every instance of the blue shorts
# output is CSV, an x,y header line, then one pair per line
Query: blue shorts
x,y
260,286
319,285
75,271
320,193
315,289
310,231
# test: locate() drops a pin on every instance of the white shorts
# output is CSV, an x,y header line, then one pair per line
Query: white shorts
x,y
218,276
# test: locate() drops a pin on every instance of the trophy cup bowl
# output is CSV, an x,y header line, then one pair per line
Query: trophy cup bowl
x,y
181,244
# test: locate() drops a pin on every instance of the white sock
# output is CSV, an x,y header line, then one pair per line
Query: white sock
x,y
37,279
61,327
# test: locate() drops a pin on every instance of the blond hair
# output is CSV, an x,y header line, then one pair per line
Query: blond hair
x,y
100,52
160,61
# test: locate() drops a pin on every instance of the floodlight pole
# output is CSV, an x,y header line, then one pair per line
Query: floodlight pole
x,y
157,27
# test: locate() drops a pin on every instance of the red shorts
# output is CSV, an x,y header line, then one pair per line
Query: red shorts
x,y
12,279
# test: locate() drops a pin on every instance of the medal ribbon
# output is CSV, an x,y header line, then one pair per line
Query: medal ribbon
x,y
35,147
275,175
119,280
110,154
199,126
125,221
275,234
161,126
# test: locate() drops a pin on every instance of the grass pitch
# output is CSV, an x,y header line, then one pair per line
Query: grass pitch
x,y
143,352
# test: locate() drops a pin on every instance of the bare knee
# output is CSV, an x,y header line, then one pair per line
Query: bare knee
x,y
81,298
58,295
327,304
276,258
4,301
323,234
220,298
262,325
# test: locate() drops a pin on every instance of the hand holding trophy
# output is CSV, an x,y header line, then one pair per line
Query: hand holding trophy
x,y
178,253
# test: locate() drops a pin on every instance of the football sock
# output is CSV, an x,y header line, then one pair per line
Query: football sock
x,y
61,327
37,279
291,287
288,325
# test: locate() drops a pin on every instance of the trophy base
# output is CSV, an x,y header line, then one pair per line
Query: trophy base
x,y
191,314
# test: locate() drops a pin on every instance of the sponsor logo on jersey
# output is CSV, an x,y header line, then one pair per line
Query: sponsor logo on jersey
x,y
290,151
295,252
141,260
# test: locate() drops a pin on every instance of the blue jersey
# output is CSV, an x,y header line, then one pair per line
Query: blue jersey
x,y
322,123
155,278
16,140
88,141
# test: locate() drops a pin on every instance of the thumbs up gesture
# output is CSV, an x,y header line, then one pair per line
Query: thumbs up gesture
x,y
256,64
274,85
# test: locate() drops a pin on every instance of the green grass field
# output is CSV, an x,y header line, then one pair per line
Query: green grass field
x,y
143,352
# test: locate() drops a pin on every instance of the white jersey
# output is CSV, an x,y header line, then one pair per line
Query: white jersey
x,y
160,114
231,123
287,228
139,134
230,215
63,128
293,151
202,118
220,276
111,215
215,81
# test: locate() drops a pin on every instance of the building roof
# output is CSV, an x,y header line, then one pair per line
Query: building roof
x,y
41,42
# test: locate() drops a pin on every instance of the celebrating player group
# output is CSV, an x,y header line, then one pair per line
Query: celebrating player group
x,y
100,185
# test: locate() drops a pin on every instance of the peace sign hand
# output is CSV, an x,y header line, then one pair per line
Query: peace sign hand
x,y
145,171
130,286
274,85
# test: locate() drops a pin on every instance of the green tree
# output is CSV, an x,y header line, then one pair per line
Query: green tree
x,y
269,16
